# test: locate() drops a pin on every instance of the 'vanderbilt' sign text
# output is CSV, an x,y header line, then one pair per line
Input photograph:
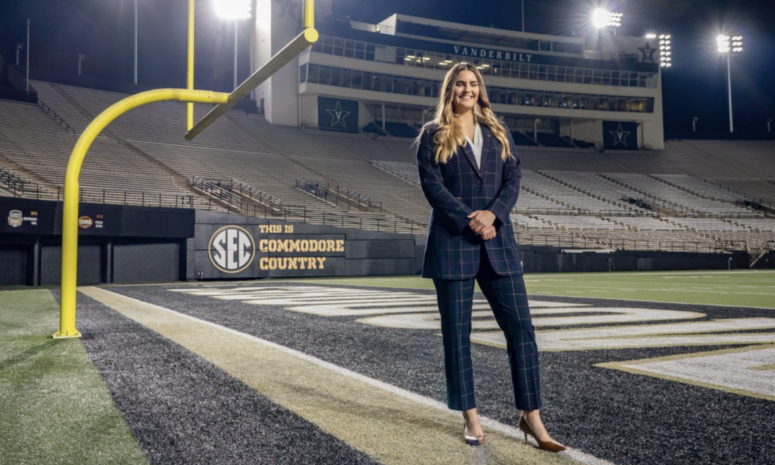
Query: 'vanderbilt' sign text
x,y
492,54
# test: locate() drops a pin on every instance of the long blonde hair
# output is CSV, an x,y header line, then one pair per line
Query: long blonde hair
x,y
449,134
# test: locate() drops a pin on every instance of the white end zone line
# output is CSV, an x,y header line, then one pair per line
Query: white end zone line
x,y
486,422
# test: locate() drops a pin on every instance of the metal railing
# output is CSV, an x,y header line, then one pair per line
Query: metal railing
x,y
50,111
8,177
555,241
213,189
220,198
108,196
314,188
750,198
725,244
353,198
18,188
341,197
249,191
404,176
629,244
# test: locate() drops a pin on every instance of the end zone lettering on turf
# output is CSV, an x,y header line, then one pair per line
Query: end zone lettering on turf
x,y
584,327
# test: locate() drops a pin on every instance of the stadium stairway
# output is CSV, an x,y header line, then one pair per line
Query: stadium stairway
x,y
757,190
698,188
55,98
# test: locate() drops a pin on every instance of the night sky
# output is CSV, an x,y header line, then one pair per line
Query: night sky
x,y
696,85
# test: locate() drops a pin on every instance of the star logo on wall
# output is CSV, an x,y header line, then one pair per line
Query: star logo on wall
x,y
647,53
620,136
338,115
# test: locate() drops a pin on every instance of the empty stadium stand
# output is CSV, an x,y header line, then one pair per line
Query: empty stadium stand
x,y
693,196
521,139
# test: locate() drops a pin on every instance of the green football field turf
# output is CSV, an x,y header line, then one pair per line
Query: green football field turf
x,y
734,288
54,406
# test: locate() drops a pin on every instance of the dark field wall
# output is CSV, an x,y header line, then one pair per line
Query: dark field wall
x,y
117,243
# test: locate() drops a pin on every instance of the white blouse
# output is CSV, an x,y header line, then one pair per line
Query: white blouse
x,y
476,145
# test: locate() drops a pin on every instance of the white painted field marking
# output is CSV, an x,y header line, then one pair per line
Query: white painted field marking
x,y
618,315
300,298
353,300
424,303
747,371
338,301
215,291
626,337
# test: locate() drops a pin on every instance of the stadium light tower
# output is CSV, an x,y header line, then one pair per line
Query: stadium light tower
x,y
233,10
603,18
135,75
728,47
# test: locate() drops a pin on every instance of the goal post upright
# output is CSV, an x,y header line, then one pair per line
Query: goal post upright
x,y
71,199
190,74
224,101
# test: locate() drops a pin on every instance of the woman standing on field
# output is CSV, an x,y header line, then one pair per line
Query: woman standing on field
x,y
470,175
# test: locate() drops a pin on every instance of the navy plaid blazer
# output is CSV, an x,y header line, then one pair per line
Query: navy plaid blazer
x,y
457,188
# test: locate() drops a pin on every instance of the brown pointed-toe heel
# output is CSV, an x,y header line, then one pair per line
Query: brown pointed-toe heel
x,y
549,446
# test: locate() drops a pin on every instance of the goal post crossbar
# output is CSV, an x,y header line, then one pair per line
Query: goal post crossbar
x,y
300,43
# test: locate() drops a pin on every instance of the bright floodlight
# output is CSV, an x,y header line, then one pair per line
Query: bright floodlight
x,y
727,44
737,44
665,53
723,43
651,35
232,9
603,18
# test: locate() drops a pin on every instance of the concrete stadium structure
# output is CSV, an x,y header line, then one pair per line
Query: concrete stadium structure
x,y
552,89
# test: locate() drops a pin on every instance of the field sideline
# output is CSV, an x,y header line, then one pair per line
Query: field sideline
x,y
730,288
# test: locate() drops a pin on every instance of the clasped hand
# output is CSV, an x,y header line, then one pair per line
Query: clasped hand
x,y
482,224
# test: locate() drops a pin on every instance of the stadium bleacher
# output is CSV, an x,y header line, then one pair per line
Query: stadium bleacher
x,y
551,140
582,144
694,195
521,139
399,129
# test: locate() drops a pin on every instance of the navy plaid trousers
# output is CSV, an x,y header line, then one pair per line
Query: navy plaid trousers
x,y
508,299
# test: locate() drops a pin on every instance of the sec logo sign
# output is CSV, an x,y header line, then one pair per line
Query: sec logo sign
x,y
232,249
